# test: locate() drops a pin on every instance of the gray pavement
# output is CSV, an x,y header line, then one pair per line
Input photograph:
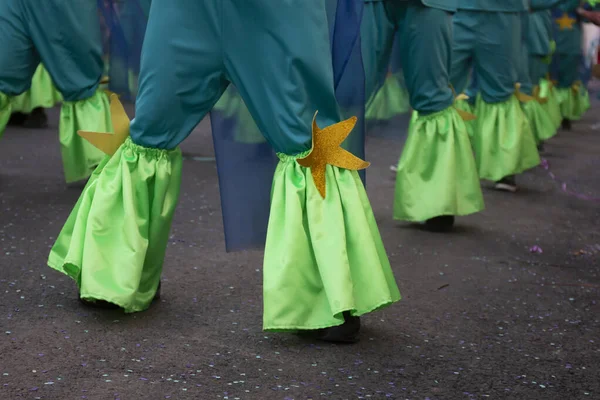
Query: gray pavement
x,y
485,315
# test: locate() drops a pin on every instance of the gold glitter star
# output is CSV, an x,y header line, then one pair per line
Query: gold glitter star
x,y
106,142
565,22
326,150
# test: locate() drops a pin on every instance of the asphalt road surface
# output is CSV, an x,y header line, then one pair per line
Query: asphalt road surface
x,y
506,307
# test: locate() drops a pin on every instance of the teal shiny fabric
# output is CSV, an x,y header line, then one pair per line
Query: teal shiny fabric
x,y
490,43
538,68
567,69
63,34
494,5
522,61
178,49
539,33
426,52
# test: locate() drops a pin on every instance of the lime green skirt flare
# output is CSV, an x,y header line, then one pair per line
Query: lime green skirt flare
x,y
121,261
5,111
541,124
503,142
79,157
574,102
42,93
436,173
552,105
322,256
389,101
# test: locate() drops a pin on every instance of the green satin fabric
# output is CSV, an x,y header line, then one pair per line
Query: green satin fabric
x,y
322,256
114,242
42,93
540,122
503,142
436,173
390,100
573,103
79,157
552,104
5,111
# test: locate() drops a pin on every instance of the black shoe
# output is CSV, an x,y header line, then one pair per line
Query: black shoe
x,y
566,124
17,119
507,184
348,332
540,147
443,223
106,305
37,119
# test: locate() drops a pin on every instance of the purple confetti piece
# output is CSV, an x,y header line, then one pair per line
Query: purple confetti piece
x,y
536,249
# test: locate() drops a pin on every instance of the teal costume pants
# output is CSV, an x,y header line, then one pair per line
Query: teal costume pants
x,y
190,55
522,61
426,43
64,35
538,68
488,42
566,69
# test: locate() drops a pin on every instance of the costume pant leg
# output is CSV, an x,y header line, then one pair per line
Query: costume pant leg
x,y
115,240
574,98
503,140
67,36
377,38
538,68
323,256
464,24
539,120
436,173
18,58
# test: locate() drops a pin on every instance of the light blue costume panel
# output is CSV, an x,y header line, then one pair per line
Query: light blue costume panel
x,y
62,34
189,57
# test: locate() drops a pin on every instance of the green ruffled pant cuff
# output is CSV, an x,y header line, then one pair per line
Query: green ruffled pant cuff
x,y
79,157
436,173
322,256
389,101
42,93
114,242
552,105
541,124
573,102
503,142
5,111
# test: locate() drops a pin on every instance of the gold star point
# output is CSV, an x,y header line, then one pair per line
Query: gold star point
x,y
107,142
327,150
565,22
